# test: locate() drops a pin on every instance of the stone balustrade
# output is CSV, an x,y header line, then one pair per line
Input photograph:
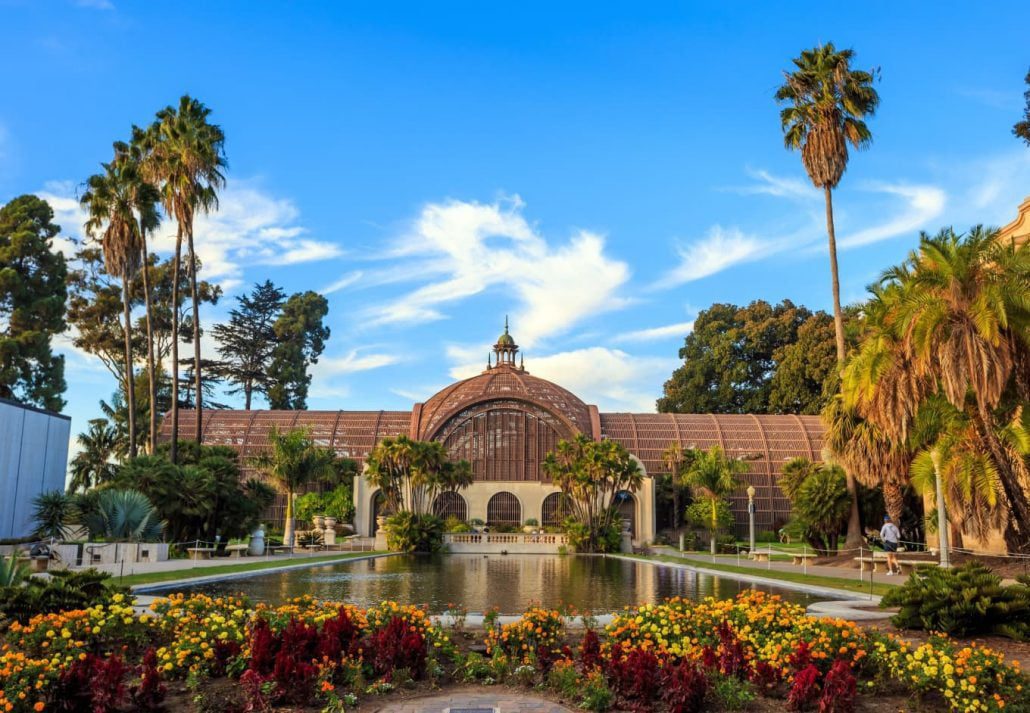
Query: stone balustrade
x,y
510,542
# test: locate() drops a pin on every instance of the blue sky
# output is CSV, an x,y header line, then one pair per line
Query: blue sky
x,y
598,172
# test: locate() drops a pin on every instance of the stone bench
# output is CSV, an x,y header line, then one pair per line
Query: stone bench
x,y
237,551
759,556
875,562
802,558
200,553
910,566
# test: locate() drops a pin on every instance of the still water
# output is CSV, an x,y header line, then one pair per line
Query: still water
x,y
509,582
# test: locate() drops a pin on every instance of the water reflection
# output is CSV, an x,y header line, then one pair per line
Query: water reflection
x,y
511,582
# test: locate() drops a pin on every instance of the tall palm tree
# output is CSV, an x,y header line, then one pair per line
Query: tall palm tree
x,y
94,464
186,162
109,200
676,460
713,475
827,103
292,462
145,198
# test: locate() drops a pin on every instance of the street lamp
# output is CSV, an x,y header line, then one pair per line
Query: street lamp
x,y
751,519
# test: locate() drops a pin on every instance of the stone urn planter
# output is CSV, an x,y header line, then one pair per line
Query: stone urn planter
x,y
329,523
257,542
319,522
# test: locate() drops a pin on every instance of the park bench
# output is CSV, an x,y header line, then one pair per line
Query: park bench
x,y
760,556
910,566
874,561
237,551
277,549
801,558
200,553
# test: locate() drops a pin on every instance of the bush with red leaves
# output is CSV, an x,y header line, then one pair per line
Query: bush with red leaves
x,y
264,645
396,646
338,636
635,677
732,661
93,684
765,676
253,685
151,691
801,657
805,689
709,659
839,689
590,651
224,652
684,687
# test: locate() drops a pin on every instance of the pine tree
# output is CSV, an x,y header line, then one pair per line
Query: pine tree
x,y
301,339
247,341
32,304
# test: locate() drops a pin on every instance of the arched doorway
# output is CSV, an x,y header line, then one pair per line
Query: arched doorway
x,y
626,504
555,509
504,509
378,509
451,504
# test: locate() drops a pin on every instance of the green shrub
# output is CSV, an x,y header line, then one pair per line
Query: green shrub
x,y
596,694
732,693
455,524
64,590
608,540
963,601
532,522
53,513
408,532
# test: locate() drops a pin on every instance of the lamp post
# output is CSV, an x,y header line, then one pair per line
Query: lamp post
x,y
751,520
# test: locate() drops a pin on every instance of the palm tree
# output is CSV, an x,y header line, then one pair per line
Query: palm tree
x,y
1021,129
713,475
676,460
94,464
185,162
110,204
292,462
144,198
826,105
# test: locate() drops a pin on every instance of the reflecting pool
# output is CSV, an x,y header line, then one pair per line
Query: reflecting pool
x,y
509,582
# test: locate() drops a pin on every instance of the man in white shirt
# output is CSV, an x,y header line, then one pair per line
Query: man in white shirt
x,y
891,535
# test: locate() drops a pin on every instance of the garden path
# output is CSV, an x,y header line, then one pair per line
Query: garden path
x,y
461,700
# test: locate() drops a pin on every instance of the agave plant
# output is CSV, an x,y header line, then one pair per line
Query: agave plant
x,y
123,516
12,571
52,512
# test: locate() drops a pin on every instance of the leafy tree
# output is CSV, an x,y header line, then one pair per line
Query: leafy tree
x,y
712,477
819,500
677,462
301,338
699,514
200,497
733,359
122,516
411,474
827,103
95,464
248,340
591,474
184,159
1022,128
32,304
293,461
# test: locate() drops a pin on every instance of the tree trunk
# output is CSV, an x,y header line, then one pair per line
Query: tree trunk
x,y
130,380
151,367
854,538
894,500
715,524
288,527
675,506
174,451
246,393
199,430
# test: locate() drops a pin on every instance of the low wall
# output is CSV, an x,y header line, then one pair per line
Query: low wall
x,y
510,542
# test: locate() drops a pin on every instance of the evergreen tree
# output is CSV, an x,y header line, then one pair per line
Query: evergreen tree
x,y
32,304
247,341
301,338
1022,128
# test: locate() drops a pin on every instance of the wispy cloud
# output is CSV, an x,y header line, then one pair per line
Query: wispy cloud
x,y
94,4
779,186
652,334
353,361
720,249
460,249
922,204
342,283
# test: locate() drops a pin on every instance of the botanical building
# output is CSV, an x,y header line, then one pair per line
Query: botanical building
x,y
505,420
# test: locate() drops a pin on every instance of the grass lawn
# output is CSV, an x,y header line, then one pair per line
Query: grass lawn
x,y
187,571
849,585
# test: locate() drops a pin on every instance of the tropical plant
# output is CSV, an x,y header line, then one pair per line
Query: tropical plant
x,y
292,461
110,204
592,475
676,460
411,474
53,513
122,516
414,532
338,503
826,104
94,464
12,570
185,159
964,601
819,501
712,477
62,590
699,514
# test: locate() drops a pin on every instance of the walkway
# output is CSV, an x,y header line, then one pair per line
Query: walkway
x,y
819,570
500,700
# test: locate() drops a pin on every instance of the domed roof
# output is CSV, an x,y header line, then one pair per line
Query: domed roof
x,y
503,382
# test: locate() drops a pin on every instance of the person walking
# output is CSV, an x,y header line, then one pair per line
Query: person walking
x,y
891,535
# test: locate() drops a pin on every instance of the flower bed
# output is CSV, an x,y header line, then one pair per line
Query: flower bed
x,y
678,656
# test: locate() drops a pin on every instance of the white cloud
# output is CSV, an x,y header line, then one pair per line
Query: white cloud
x,y
922,204
780,187
95,4
67,214
720,249
610,378
351,362
668,331
462,249
344,282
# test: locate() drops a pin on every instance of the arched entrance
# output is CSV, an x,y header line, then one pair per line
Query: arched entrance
x,y
555,509
451,504
626,504
504,509
377,509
